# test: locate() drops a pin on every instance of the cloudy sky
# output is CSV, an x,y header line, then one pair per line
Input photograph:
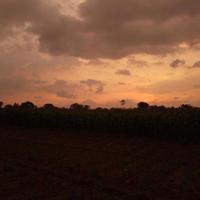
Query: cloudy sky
x,y
98,52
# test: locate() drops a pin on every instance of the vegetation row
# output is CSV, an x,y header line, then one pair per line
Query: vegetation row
x,y
151,121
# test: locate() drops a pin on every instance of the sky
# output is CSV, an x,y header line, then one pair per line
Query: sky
x,y
99,52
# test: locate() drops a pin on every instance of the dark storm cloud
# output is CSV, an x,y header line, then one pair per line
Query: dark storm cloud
x,y
106,29
177,63
123,72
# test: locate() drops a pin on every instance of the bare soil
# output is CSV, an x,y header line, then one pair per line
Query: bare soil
x,y
50,165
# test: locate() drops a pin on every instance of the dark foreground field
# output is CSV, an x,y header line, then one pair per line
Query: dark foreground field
x,y
58,166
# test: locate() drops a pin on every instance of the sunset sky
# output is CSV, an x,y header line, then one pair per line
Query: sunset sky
x,y
98,52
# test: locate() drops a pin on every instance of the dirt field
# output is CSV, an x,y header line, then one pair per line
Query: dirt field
x,y
60,166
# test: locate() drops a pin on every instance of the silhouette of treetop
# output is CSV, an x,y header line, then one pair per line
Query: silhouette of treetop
x,y
143,105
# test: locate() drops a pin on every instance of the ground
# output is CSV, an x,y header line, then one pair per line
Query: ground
x,y
55,165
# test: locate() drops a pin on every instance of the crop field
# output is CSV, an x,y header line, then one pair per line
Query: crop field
x,y
56,165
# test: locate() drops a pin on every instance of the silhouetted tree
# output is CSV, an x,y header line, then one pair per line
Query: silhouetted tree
x,y
16,106
157,121
1,104
49,106
100,109
123,102
143,105
86,107
77,106
28,106
8,107
162,108
157,108
186,106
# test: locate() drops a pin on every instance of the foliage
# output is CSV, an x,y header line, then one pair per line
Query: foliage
x,y
151,121
77,106
143,105
1,104
123,102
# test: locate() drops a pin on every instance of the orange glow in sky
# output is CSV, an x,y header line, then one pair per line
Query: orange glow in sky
x,y
98,52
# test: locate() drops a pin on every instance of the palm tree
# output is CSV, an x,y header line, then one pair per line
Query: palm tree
x,y
123,102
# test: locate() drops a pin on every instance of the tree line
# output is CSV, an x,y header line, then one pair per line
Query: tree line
x,y
152,121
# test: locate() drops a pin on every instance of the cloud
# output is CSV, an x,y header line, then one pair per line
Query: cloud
x,y
196,65
95,62
100,90
19,56
194,44
15,85
177,63
197,86
93,83
121,83
177,98
12,85
38,97
105,29
137,63
123,72
62,88
65,94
